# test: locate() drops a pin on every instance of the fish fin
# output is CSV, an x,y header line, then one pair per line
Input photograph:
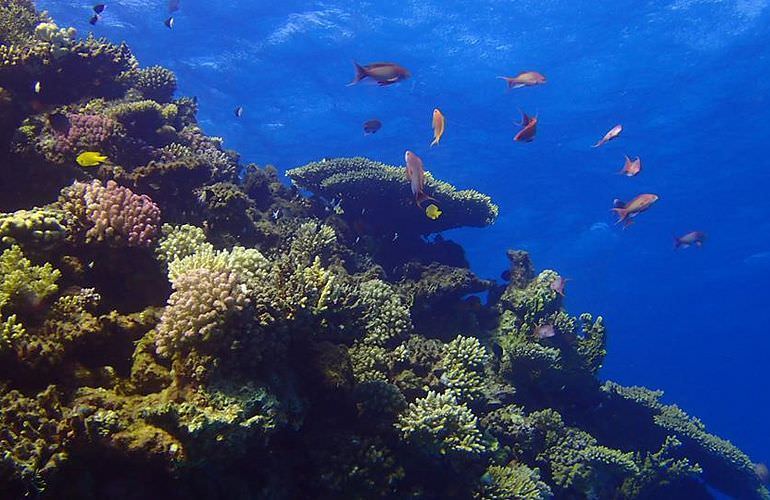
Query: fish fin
x,y
435,142
622,214
597,144
518,86
421,198
698,243
508,81
677,243
360,74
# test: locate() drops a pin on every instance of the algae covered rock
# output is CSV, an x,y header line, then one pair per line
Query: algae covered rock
x,y
382,194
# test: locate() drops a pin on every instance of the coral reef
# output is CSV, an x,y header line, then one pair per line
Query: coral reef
x,y
383,192
176,324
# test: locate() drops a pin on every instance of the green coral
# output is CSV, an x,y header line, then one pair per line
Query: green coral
x,y
576,461
156,83
384,192
21,280
463,368
33,437
439,424
181,241
39,228
386,315
659,471
514,480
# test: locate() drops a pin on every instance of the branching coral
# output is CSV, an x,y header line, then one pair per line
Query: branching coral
x,y
439,424
514,480
23,282
33,438
39,228
112,214
463,367
156,83
181,241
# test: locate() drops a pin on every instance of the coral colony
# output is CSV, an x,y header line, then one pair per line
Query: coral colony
x,y
176,324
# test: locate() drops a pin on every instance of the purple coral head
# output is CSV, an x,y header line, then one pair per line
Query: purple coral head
x,y
114,214
86,131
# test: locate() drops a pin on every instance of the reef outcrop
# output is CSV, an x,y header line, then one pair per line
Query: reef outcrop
x,y
175,324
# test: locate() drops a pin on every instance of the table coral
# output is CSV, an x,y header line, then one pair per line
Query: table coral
x,y
383,192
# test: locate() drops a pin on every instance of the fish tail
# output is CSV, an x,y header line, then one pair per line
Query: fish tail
x,y
622,214
421,198
360,74
435,142
677,243
508,81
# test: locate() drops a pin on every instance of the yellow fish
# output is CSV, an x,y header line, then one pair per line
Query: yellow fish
x,y
90,159
438,126
433,212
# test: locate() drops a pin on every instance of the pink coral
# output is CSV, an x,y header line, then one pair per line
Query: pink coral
x,y
112,213
86,132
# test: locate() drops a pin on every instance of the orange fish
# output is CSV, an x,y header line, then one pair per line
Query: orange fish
x,y
525,79
529,127
613,133
415,172
692,238
627,211
438,126
384,73
631,168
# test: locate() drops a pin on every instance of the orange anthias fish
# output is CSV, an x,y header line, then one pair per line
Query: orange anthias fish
x,y
438,126
631,167
384,73
529,128
692,238
525,79
415,172
613,133
627,211
558,284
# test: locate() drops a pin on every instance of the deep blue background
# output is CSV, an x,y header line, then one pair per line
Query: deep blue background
x,y
688,79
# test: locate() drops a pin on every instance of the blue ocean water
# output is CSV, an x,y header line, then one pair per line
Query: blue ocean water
x,y
686,78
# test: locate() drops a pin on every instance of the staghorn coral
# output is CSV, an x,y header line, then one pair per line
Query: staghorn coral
x,y
156,83
439,424
112,214
660,473
383,191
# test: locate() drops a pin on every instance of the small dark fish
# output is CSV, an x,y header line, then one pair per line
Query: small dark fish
x,y
99,8
692,238
544,332
372,126
169,22
239,111
93,19
59,123
497,350
558,284
506,275
173,6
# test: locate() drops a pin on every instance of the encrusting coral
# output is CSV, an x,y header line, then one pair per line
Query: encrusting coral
x,y
176,324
